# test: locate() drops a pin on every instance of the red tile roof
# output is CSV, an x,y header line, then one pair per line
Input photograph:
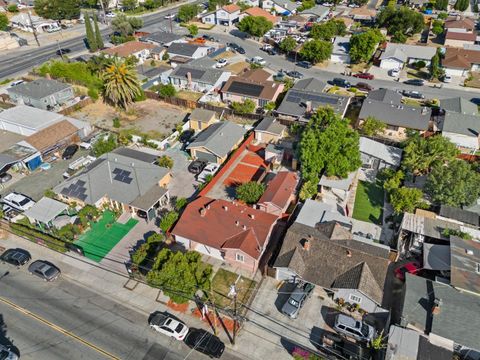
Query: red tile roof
x,y
256,11
231,8
460,58
222,224
129,48
455,35
466,23
280,189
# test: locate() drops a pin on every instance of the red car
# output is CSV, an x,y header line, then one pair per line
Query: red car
x,y
366,76
411,267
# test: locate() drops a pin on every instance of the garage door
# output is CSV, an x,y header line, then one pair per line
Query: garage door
x,y
206,156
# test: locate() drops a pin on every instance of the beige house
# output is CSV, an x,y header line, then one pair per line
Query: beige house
x,y
200,119
270,131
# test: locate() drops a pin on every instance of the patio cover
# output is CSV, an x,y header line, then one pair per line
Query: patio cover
x,y
436,257
45,210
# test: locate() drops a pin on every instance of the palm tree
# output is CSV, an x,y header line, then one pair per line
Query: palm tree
x,y
120,83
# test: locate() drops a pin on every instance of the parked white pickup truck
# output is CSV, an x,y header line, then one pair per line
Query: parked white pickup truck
x,y
210,169
78,164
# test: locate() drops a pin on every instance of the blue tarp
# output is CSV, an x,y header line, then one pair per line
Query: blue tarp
x,y
35,162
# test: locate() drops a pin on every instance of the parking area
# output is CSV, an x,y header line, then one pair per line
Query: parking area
x,y
183,182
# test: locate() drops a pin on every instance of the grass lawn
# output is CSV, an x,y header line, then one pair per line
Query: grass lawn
x,y
103,236
221,286
369,203
189,95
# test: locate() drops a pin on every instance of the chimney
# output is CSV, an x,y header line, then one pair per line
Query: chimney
x,y
208,206
203,212
349,253
237,223
437,303
251,216
225,207
308,106
306,244
244,227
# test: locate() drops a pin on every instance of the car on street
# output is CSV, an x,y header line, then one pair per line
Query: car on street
x,y
6,353
297,299
341,83
366,76
236,48
196,166
18,201
208,37
414,82
364,87
63,51
167,325
169,16
44,270
295,74
209,170
279,76
304,64
5,177
413,94
394,73
347,325
257,60
205,342
272,52
69,151
221,63
266,47
17,257
411,267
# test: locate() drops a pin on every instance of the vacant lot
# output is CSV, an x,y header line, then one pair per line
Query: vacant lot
x,y
221,283
369,203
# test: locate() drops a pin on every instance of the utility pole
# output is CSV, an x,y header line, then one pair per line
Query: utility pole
x,y
233,291
104,14
171,25
33,28
60,51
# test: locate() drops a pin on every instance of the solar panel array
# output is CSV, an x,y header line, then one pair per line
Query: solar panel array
x,y
195,73
246,89
76,190
122,176
298,97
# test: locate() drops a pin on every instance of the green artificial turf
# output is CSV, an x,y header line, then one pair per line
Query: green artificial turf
x,y
369,203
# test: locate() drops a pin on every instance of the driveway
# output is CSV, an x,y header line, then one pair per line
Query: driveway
x,y
183,182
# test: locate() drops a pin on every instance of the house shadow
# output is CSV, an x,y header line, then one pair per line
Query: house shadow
x,y
328,315
283,295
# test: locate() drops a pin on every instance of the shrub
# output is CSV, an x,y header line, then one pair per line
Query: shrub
x,y
13,8
167,90
93,94
116,122
247,107
168,220
165,161
180,203
250,192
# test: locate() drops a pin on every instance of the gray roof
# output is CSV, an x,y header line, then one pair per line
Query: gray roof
x,y
462,124
6,161
30,117
152,71
318,10
389,154
286,4
147,200
338,183
436,257
464,259
219,138
459,105
136,154
203,75
46,210
183,49
38,89
465,216
341,45
330,258
427,226
313,212
202,115
120,178
457,318
386,95
403,52
310,84
161,37
270,125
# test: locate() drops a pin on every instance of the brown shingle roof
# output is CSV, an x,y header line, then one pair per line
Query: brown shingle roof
x,y
51,135
256,11
460,58
453,23
455,35
231,8
128,48
280,189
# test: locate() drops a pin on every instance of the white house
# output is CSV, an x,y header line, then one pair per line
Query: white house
x,y
341,50
280,7
24,23
197,78
396,56
462,129
138,49
226,15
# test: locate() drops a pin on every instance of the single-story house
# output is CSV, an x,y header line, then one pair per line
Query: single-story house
x,y
161,38
341,50
305,97
317,13
138,49
377,156
269,130
447,316
327,256
313,212
459,105
197,78
459,38
279,194
385,105
150,76
257,11
459,24
123,182
44,212
396,56
20,156
458,62
150,158
23,22
280,7
226,15
336,190
200,119
252,85
54,137
230,232
217,141
187,50
464,264
363,14
462,129
43,94
463,215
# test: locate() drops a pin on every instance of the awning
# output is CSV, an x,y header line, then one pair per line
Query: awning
x,y
150,198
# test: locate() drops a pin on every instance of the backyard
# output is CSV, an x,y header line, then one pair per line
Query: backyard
x,y
103,235
221,283
369,203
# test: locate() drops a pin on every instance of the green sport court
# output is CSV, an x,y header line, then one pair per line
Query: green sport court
x,y
103,235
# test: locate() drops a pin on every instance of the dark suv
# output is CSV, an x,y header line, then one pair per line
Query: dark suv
x,y
341,83
297,299
17,257
70,150
196,166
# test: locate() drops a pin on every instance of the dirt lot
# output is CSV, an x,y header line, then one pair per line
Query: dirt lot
x,y
157,119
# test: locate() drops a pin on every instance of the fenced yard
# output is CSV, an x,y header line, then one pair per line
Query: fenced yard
x,y
369,202
221,283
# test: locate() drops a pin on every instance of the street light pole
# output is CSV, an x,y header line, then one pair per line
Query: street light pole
x,y
233,291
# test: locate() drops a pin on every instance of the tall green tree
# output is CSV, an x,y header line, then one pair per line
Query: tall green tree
x,y
129,4
120,83
455,184
187,12
98,34
58,9
401,22
328,30
363,45
407,200
441,5
316,51
437,27
4,22
91,41
461,5
255,25
372,126
250,192
126,25
193,29
288,44
436,72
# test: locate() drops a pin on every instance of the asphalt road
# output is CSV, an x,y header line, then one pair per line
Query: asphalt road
x,y
61,320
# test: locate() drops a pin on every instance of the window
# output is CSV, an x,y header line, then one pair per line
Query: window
x,y
240,257
356,299
478,268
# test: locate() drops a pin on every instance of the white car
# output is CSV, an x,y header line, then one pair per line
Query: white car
x,y
15,83
170,16
221,63
258,60
394,72
210,169
447,79
168,326
18,201
328,4
110,15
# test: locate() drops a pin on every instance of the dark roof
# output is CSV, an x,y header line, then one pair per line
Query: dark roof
x,y
136,154
203,75
161,37
462,215
183,49
330,259
39,89
429,351
463,124
153,71
271,125
457,318
459,105
386,96
464,263
310,84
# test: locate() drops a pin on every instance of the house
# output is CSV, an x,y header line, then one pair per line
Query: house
x,y
336,190
43,94
305,97
230,232
138,49
459,105
226,15
197,78
252,85
45,211
257,11
20,156
327,256
396,56
464,216
462,129
26,120
24,22
161,38
341,50
464,265
448,317
215,142
459,38
316,13
150,76
376,156
458,62
385,105
279,194
187,50
459,24
363,14
200,119
269,131
125,183
54,137
280,7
